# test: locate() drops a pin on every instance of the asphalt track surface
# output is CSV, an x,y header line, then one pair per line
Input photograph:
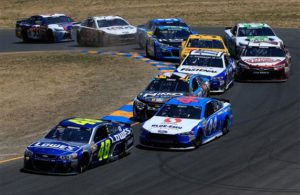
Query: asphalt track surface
x,y
260,155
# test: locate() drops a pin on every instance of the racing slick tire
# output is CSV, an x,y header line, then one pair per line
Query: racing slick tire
x,y
50,36
226,126
84,163
25,36
198,141
147,53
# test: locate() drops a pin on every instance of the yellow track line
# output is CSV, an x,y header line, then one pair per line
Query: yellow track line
x,y
11,159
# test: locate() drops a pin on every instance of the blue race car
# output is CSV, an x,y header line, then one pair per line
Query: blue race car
x,y
76,144
218,67
49,28
164,87
146,30
166,41
186,122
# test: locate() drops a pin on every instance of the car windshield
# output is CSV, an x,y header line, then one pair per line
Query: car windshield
x,y
264,31
172,33
56,20
263,52
168,85
198,43
113,22
170,23
70,134
203,61
179,111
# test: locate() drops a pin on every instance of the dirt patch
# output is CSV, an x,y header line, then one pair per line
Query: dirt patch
x,y
39,90
277,13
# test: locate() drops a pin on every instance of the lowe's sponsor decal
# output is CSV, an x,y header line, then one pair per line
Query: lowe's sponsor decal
x,y
55,146
122,135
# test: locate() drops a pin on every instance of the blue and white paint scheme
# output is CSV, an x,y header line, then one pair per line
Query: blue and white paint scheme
x,y
186,122
218,67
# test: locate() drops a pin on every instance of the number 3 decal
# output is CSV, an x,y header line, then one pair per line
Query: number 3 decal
x,y
104,150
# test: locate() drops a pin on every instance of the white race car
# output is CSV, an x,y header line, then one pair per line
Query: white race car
x,y
104,31
264,61
239,36
218,67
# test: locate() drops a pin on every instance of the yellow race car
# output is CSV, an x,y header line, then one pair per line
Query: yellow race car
x,y
203,42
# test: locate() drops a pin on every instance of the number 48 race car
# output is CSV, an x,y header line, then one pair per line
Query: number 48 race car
x,y
76,144
187,122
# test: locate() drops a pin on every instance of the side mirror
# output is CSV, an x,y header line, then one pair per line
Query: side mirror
x,y
150,33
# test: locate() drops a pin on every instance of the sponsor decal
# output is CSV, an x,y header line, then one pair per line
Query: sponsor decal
x,y
262,60
166,126
187,100
120,136
55,146
198,69
172,120
162,94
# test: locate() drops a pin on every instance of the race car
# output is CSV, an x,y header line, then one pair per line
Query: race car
x,y
217,67
105,31
165,86
50,28
76,144
145,31
262,61
202,42
239,36
187,122
166,41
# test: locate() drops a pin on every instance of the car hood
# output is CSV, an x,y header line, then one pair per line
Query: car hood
x,y
262,61
119,30
158,97
51,147
267,39
171,126
204,71
62,26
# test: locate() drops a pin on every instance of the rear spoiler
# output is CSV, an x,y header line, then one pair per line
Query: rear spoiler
x,y
223,100
228,27
116,119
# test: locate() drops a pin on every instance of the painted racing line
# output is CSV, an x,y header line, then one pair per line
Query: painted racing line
x,y
124,113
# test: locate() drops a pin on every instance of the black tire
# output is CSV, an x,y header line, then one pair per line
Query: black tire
x,y
50,36
226,126
84,163
198,140
146,51
25,36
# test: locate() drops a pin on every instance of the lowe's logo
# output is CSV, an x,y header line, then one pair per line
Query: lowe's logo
x,y
55,146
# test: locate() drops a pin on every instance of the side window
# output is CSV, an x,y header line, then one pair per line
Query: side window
x,y
233,30
112,129
209,109
101,133
91,23
194,85
84,23
216,106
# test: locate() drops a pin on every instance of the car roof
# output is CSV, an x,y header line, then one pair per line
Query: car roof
x,y
253,25
205,37
107,17
81,122
174,75
51,15
264,44
207,53
189,101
